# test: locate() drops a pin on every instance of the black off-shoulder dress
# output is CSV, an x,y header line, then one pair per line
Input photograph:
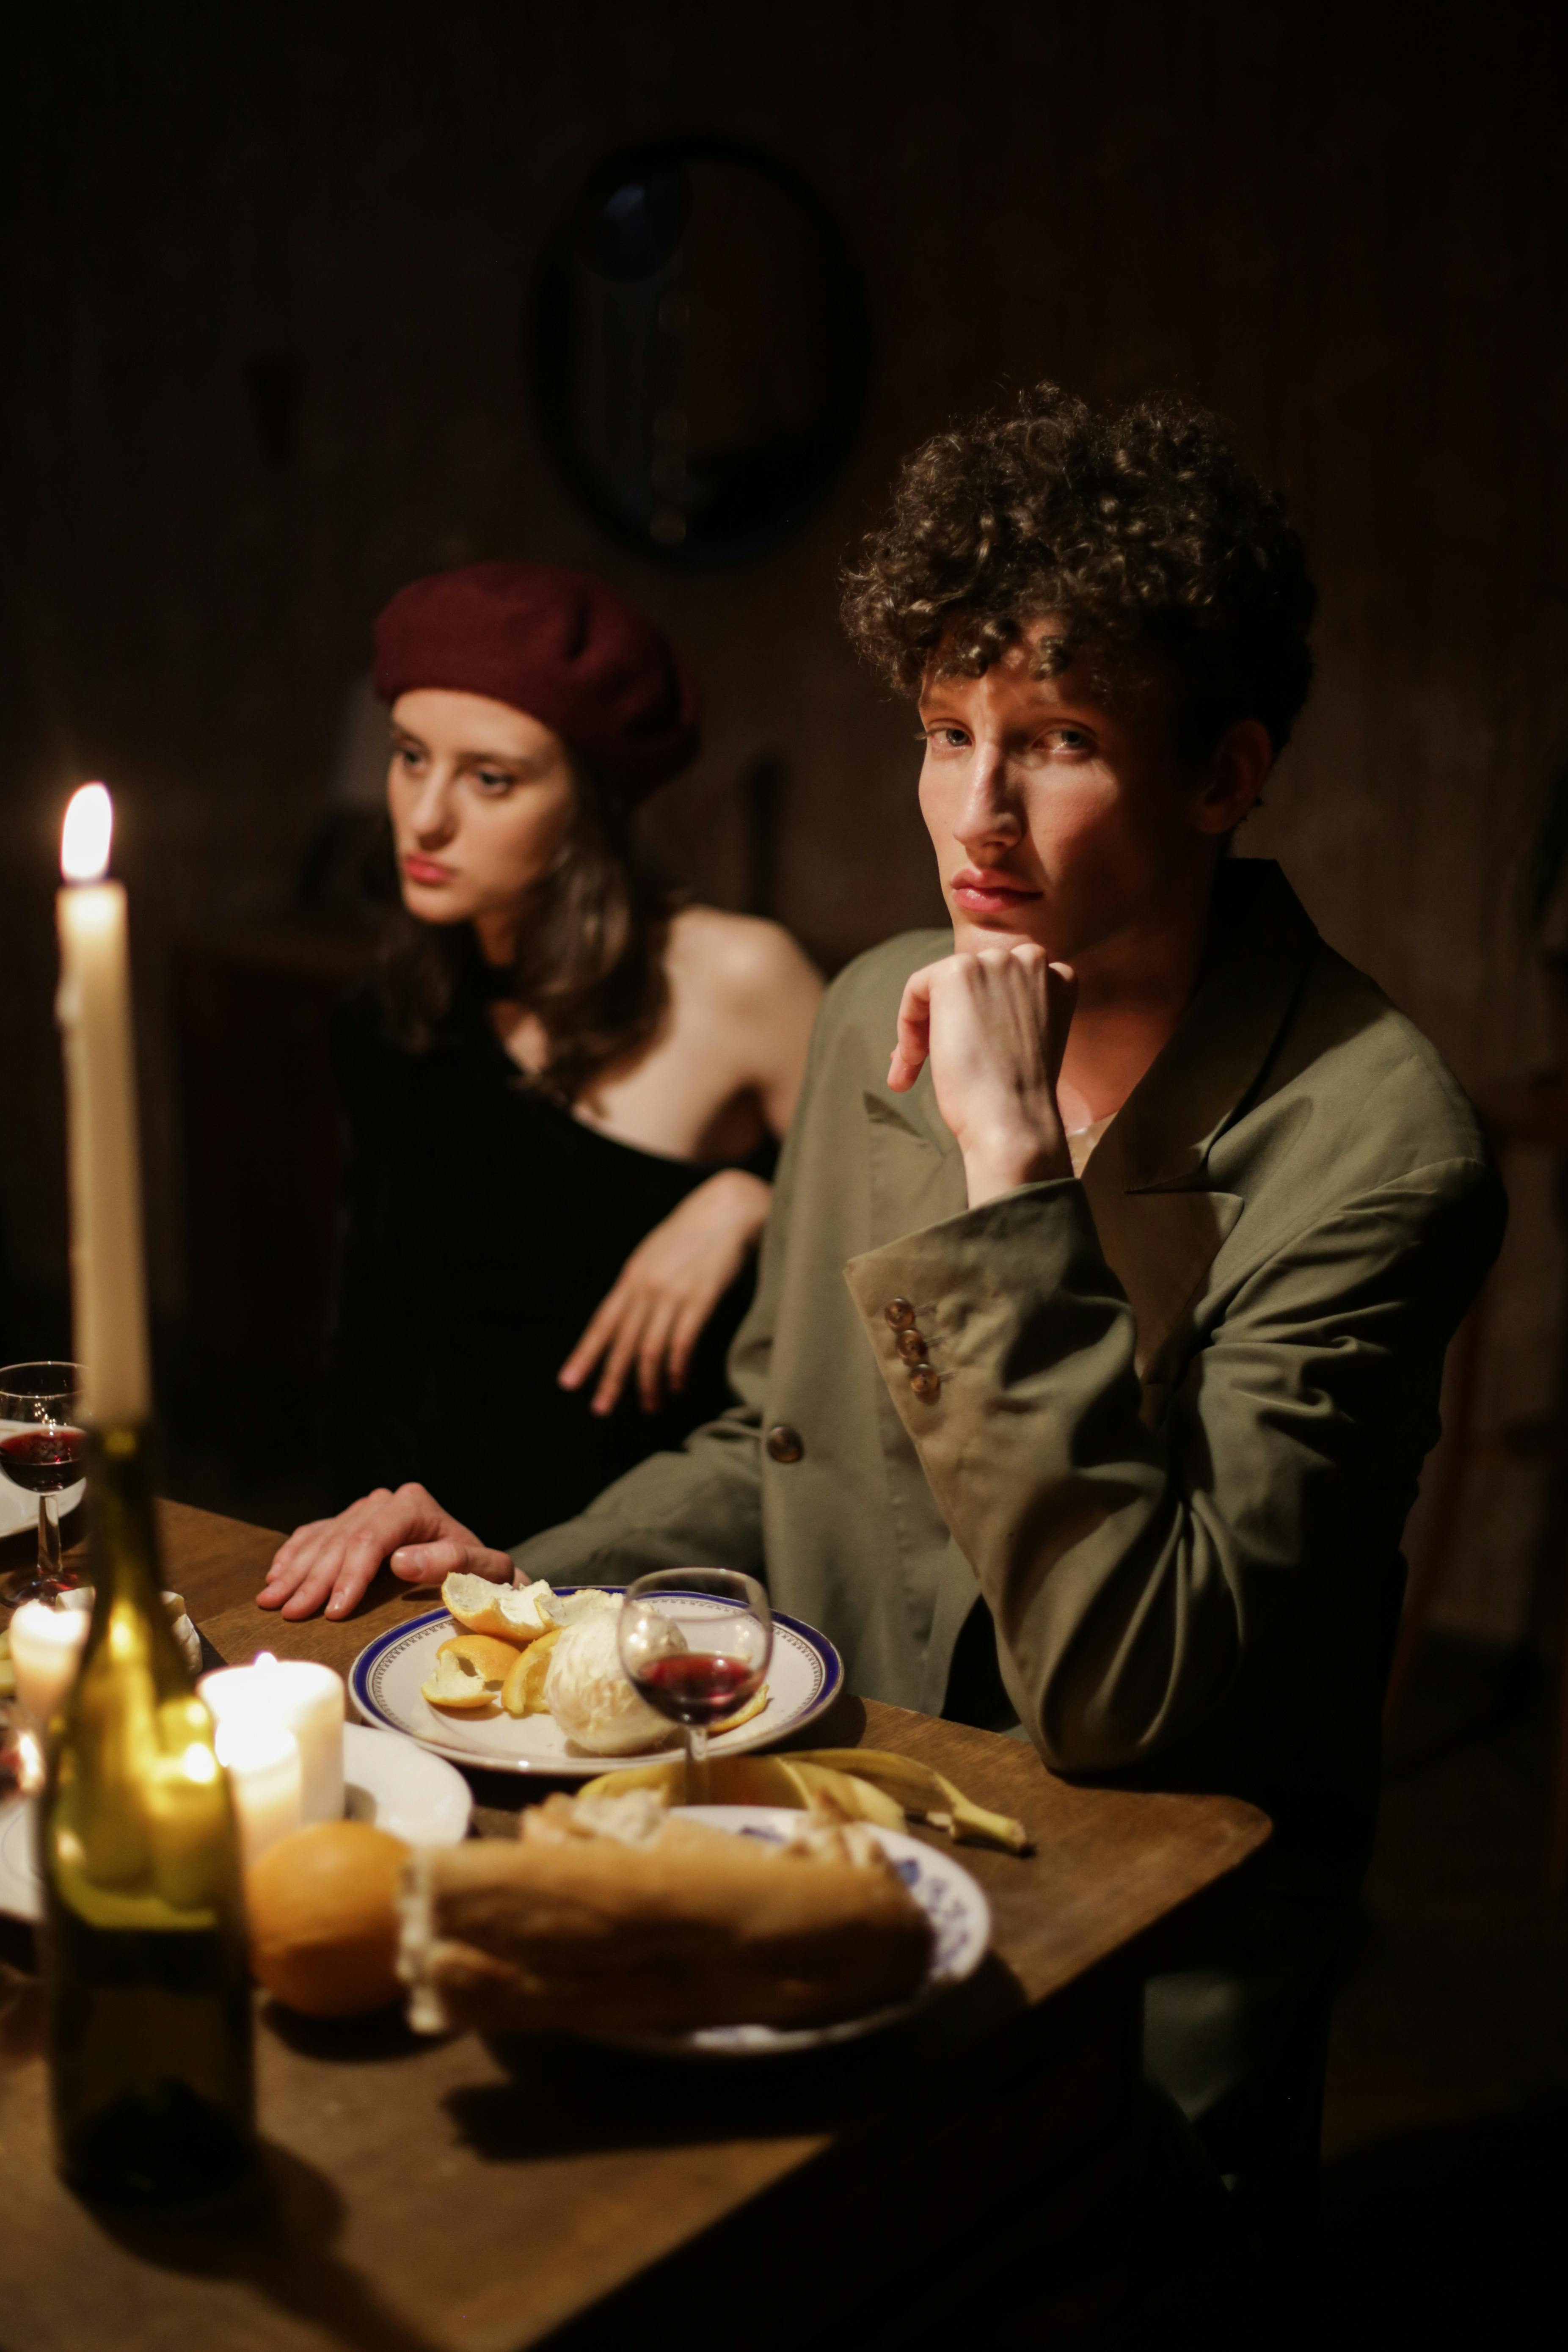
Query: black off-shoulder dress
x,y
480,1226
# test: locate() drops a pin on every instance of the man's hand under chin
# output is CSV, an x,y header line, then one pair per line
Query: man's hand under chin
x,y
332,1561
993,1027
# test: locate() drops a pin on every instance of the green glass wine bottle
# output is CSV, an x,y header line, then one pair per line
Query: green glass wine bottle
x,y
147,1980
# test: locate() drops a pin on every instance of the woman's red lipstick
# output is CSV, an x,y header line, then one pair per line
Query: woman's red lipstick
x,y
986,890
426,869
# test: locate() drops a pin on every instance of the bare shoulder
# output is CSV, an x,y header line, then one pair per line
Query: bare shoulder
x,y
739,960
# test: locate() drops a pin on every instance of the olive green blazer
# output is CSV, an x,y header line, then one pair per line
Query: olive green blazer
x,y
1169,1418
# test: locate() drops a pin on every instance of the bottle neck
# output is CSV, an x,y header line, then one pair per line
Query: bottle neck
x,y
122,1540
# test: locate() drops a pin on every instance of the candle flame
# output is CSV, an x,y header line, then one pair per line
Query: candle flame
x,y
84,841
83,845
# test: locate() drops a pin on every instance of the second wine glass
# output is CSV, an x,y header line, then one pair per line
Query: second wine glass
x,y
696,1643
42,1450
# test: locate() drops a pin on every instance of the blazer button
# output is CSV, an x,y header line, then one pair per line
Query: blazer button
x,y
912,1347
900,1314
785,1444
926,1382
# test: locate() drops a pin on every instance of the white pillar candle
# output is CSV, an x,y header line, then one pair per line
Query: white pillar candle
x,y
262,1761
45,1650
300,1698
108,1279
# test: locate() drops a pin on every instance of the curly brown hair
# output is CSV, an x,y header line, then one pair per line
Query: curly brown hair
x,y
1138,528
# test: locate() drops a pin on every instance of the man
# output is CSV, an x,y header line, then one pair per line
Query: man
x,y
1099,1333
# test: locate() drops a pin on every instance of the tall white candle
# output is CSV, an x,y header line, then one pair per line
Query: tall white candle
x,y
299,1697
108,1279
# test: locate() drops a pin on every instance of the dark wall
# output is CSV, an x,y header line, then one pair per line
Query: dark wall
x,y
264,364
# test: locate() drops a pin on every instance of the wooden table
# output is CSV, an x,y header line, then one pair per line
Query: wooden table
x,y
459,2196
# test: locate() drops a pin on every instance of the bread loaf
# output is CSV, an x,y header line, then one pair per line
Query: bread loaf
x,y
691,1928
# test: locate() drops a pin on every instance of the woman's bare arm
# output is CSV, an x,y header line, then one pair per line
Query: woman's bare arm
x,y
744,997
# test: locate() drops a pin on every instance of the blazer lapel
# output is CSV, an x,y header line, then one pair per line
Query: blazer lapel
x,y
1159,1225
1227,1035
916,1169
1160,1246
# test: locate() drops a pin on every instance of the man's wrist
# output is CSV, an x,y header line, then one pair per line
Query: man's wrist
x,y
1004,1164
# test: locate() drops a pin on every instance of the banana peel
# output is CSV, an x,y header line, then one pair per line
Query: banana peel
x,y
757,1780
860,1799
869,1784
927,1794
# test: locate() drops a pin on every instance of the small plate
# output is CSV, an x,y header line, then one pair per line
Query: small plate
x,y
386,1781
804,1675
956,1906
416,1796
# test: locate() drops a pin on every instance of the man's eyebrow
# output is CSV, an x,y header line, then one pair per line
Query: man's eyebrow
x,y
1076,711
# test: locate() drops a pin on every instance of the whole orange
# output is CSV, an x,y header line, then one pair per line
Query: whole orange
x,y
323,1909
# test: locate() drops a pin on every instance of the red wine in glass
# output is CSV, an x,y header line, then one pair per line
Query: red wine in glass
x,y
44,1460
696,1643
697,1685
44,1451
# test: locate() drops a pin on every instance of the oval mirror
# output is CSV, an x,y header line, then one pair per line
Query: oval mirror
x,y
699,348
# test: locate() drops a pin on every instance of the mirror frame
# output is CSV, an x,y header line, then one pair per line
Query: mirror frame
x,y
847,329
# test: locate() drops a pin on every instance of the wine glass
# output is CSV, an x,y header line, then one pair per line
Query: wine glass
x,y
42,1450
696,1643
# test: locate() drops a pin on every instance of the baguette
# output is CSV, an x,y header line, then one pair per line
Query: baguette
x,y
571,1932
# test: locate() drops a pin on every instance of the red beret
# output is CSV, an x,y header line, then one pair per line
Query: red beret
x,y
557,644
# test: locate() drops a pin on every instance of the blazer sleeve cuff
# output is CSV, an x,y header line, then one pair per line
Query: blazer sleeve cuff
x,y
995,1298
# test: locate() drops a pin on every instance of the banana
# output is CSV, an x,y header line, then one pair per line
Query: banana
x,y
731,1781
923,1791
869,1784
759,1781
860,1799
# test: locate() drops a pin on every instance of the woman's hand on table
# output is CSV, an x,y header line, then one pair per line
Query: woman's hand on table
x,y
332,1561
667,1290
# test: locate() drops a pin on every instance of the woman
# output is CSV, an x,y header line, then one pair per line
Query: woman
x,y
563,1099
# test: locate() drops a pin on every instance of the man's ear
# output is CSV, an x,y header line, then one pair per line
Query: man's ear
x,y
1236,774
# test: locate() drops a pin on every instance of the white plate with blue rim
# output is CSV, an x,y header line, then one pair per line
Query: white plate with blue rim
x,y
805,1674
418,1798
960,1936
